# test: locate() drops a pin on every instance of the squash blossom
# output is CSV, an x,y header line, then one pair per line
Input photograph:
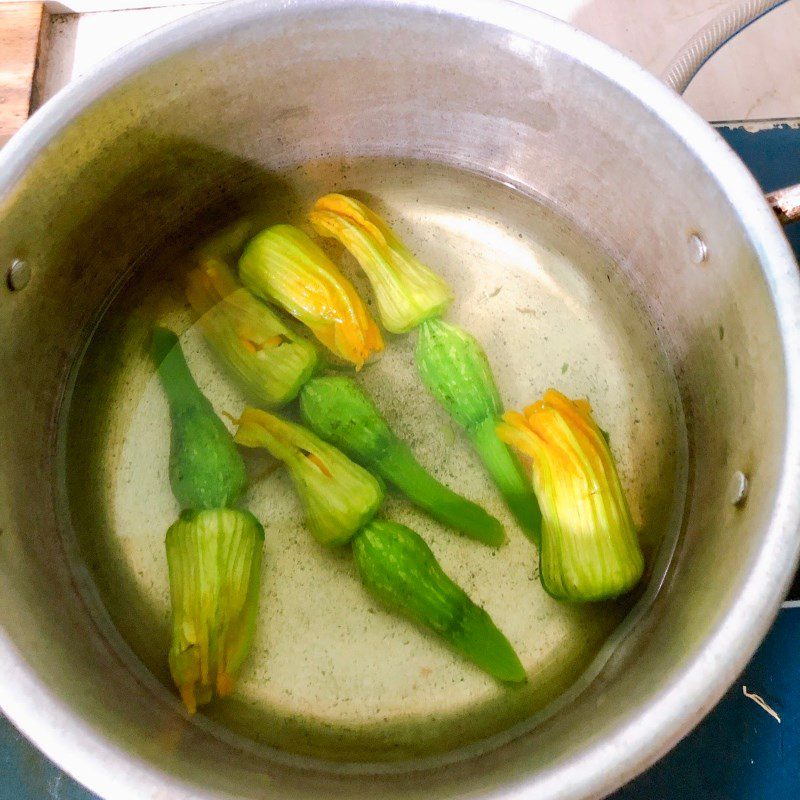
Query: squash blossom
x,y
269,360
589,549
282,265
407,291
213,552
214,559
338,495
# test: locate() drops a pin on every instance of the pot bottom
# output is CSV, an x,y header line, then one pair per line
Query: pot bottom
x,y
332,675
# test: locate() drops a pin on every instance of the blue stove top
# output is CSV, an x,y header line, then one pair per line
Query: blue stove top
x,y
739,752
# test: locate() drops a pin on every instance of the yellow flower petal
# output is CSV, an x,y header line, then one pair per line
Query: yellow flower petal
x,y
270,361
214,560
338,495
283,265
590,550
407,291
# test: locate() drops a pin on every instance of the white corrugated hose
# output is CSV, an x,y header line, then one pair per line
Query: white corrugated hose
x,y
687,61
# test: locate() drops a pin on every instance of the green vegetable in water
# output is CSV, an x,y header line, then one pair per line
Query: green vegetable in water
x,y
338,411
398,568
205,468
339,496
590,550
407,291
269,360
456,371
283,265
214,560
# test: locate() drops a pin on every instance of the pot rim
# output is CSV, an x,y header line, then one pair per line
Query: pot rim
x,y
99,763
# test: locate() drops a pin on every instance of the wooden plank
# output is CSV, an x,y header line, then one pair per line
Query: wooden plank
x,y
19,38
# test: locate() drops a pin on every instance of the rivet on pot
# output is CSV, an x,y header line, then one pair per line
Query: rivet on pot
x,y
18,275
698,250
738,488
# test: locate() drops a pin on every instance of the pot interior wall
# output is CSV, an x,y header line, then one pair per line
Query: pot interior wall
x,y
196,139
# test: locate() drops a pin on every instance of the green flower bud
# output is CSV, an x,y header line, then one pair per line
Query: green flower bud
x,y
338,495
269,360
214,559
205,468
399,569
337,410
456,371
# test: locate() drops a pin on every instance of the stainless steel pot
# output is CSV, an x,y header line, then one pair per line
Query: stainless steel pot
x,y
128,154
